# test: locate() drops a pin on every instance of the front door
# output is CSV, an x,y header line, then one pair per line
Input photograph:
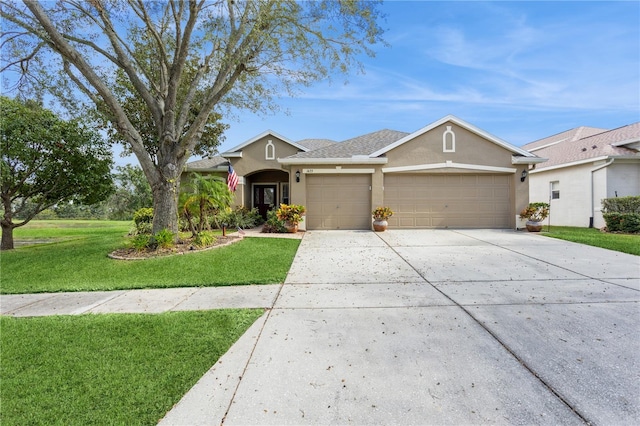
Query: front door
x,y
264,198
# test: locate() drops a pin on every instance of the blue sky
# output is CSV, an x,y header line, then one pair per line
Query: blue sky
x,y
519,70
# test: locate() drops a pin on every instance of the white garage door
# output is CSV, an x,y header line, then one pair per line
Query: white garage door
x,y
338,201
449,200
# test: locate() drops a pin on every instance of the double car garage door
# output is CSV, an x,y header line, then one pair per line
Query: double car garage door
x,y
418,201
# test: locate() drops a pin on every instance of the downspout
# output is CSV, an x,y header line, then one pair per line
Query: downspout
x,y
593,206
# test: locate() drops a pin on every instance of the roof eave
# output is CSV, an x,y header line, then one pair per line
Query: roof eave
x,y
231,154
350,160
207,169
587,161
527,160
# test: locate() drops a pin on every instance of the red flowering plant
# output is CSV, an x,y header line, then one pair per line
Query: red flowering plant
x,y
292,213
535,212
382,213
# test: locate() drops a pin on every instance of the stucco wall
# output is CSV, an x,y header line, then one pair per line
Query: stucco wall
x,y
623,178
582,190
469,149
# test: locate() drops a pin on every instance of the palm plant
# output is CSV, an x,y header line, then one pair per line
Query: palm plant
x,y
202,198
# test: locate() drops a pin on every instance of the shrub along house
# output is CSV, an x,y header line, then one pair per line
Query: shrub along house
x,y
585,165
449,174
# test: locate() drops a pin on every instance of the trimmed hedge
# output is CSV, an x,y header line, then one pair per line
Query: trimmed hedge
x,y
622,214
621,205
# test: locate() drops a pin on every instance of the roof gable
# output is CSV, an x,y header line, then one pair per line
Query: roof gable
x,y
453,119
237,149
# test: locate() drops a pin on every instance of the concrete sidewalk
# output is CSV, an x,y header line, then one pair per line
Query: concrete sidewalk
x,y
415,327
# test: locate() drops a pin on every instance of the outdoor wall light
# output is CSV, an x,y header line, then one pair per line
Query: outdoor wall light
x,y
297,175
523,176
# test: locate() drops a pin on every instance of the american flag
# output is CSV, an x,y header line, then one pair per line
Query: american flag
x,y
232,179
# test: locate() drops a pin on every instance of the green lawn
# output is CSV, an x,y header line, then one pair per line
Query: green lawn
x,y
594,237
77,261
109,369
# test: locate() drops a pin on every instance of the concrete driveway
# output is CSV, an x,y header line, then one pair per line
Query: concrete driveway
x,y
436,327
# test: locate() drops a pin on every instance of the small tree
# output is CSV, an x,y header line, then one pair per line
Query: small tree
x,y
46,161
203,196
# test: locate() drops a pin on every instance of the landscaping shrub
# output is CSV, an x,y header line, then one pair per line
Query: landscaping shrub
x,y
203,239
164,238
143,220
622,214
273,224
621,204
140,242
240,217
622,222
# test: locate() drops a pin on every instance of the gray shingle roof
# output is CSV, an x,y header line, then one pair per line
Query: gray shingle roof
x,y
568,135
312,144
206,164
584,143
361,145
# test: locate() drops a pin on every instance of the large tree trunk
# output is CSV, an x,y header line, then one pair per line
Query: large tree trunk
x,y
7,236
165,206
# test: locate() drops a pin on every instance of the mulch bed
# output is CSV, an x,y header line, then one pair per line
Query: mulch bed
x,y
184,246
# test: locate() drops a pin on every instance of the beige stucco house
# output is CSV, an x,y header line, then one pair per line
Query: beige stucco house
x,y
449,174
584,166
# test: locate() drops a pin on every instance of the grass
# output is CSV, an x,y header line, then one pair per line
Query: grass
x,y
624,243
109,369
77,261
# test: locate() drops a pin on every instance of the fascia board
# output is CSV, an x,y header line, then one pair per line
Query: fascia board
x,y
448,165
325,171
333,161
460,123
574,163
231,154
527,160
208,169
631,141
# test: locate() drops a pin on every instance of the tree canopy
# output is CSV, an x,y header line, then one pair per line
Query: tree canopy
x,y
45,161
162,73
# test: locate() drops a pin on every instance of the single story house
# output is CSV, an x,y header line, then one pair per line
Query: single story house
x,y
449,174
585,165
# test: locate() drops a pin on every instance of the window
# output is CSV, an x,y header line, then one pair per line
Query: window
x,y
448,140
285,193
270,151
555,190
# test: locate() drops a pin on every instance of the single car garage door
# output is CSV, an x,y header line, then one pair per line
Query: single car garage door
x,y
449,200
337,201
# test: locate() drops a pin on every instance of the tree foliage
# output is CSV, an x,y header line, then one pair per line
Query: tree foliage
x,y
131,194
156,71
46,161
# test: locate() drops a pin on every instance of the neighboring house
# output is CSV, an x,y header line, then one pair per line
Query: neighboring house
x,y
584,166
449,174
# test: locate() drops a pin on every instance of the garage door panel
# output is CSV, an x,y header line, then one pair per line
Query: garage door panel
x,y
338,201
440,201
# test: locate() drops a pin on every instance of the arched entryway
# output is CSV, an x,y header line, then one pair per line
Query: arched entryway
x,y
267,189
